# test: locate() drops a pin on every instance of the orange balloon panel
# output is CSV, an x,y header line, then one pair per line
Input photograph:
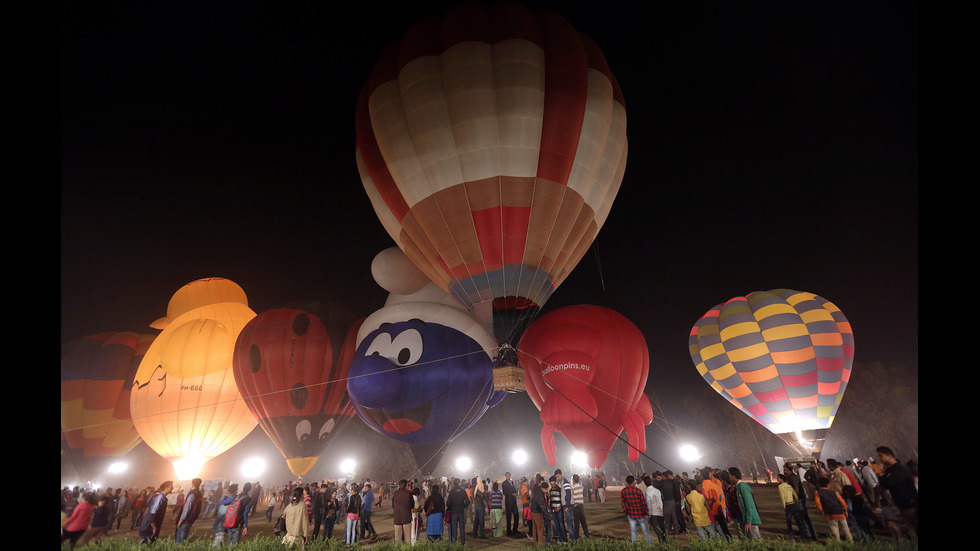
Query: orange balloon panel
x,y
184,399
96,372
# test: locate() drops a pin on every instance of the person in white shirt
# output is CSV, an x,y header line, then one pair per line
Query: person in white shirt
x,y
655,505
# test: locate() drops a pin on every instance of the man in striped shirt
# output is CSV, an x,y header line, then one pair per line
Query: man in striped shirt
x,y
578,506
635,507
567,505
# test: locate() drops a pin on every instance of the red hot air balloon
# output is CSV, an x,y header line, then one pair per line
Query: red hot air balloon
x,y
291,368
492,142
586,368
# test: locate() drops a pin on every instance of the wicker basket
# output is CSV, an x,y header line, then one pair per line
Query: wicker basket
x,y
509,378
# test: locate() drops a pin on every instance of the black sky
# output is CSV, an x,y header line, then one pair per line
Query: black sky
x,y
772,144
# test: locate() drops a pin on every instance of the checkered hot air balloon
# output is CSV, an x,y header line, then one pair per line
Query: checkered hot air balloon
x,y
492,142
783,357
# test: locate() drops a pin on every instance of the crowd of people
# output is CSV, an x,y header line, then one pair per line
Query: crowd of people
x,y
854,496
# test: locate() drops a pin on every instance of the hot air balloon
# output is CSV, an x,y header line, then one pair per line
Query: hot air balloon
x,y
96,373
422,372
586,371
492,142
291,367
184,401
782,357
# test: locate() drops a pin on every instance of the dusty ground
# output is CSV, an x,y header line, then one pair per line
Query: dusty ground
x,y
605,521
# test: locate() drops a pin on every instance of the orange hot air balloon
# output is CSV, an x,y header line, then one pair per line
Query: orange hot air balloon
x,y
782,357
492,142
96,373
184,401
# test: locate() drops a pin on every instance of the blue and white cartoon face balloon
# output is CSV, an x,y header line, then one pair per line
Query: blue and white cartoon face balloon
x,y
422,373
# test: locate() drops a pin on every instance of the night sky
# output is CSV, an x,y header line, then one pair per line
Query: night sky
x,y
771,145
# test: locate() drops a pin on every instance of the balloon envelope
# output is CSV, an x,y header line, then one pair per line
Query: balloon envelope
x,y
492,142
782,357
96,374
586,369
422,374
291,367
184,400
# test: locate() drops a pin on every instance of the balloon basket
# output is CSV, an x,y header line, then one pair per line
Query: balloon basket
x,y
509,378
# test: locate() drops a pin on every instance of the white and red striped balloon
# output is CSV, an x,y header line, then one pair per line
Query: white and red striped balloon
x,y
492,142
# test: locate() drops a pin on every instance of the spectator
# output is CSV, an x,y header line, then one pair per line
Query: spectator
x,y
833,507
156,511
698,506
297,519
78,521
746,504
898,480
634,504
190,511
402,505
578,507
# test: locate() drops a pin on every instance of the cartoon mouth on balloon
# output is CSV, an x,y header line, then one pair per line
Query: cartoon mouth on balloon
x,y
401,422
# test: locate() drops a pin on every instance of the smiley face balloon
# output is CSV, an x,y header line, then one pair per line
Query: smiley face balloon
x,y
422,373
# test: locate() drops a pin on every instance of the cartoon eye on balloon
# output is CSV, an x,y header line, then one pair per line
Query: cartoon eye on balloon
x,y
492,142
782,357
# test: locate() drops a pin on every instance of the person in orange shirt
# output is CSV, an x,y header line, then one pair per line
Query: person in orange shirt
x,y
715,495
526,504
833,506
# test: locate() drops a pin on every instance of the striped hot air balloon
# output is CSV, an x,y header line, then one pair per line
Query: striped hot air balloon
x,y
492,142
783,357
96,374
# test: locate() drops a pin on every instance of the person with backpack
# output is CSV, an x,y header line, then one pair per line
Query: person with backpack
x,y
236,517
218,528
190,511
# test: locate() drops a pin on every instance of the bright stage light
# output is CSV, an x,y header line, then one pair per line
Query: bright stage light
x,y
253,468
579,459
463,464
118,467
347,466
187,468
519,457
689,453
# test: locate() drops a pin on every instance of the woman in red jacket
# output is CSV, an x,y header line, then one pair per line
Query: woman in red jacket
x,y
78,522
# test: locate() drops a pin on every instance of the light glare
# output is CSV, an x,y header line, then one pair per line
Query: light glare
x,y
463,464
253,468
118,467
579,459
189,467
347,465
689,453
519,457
